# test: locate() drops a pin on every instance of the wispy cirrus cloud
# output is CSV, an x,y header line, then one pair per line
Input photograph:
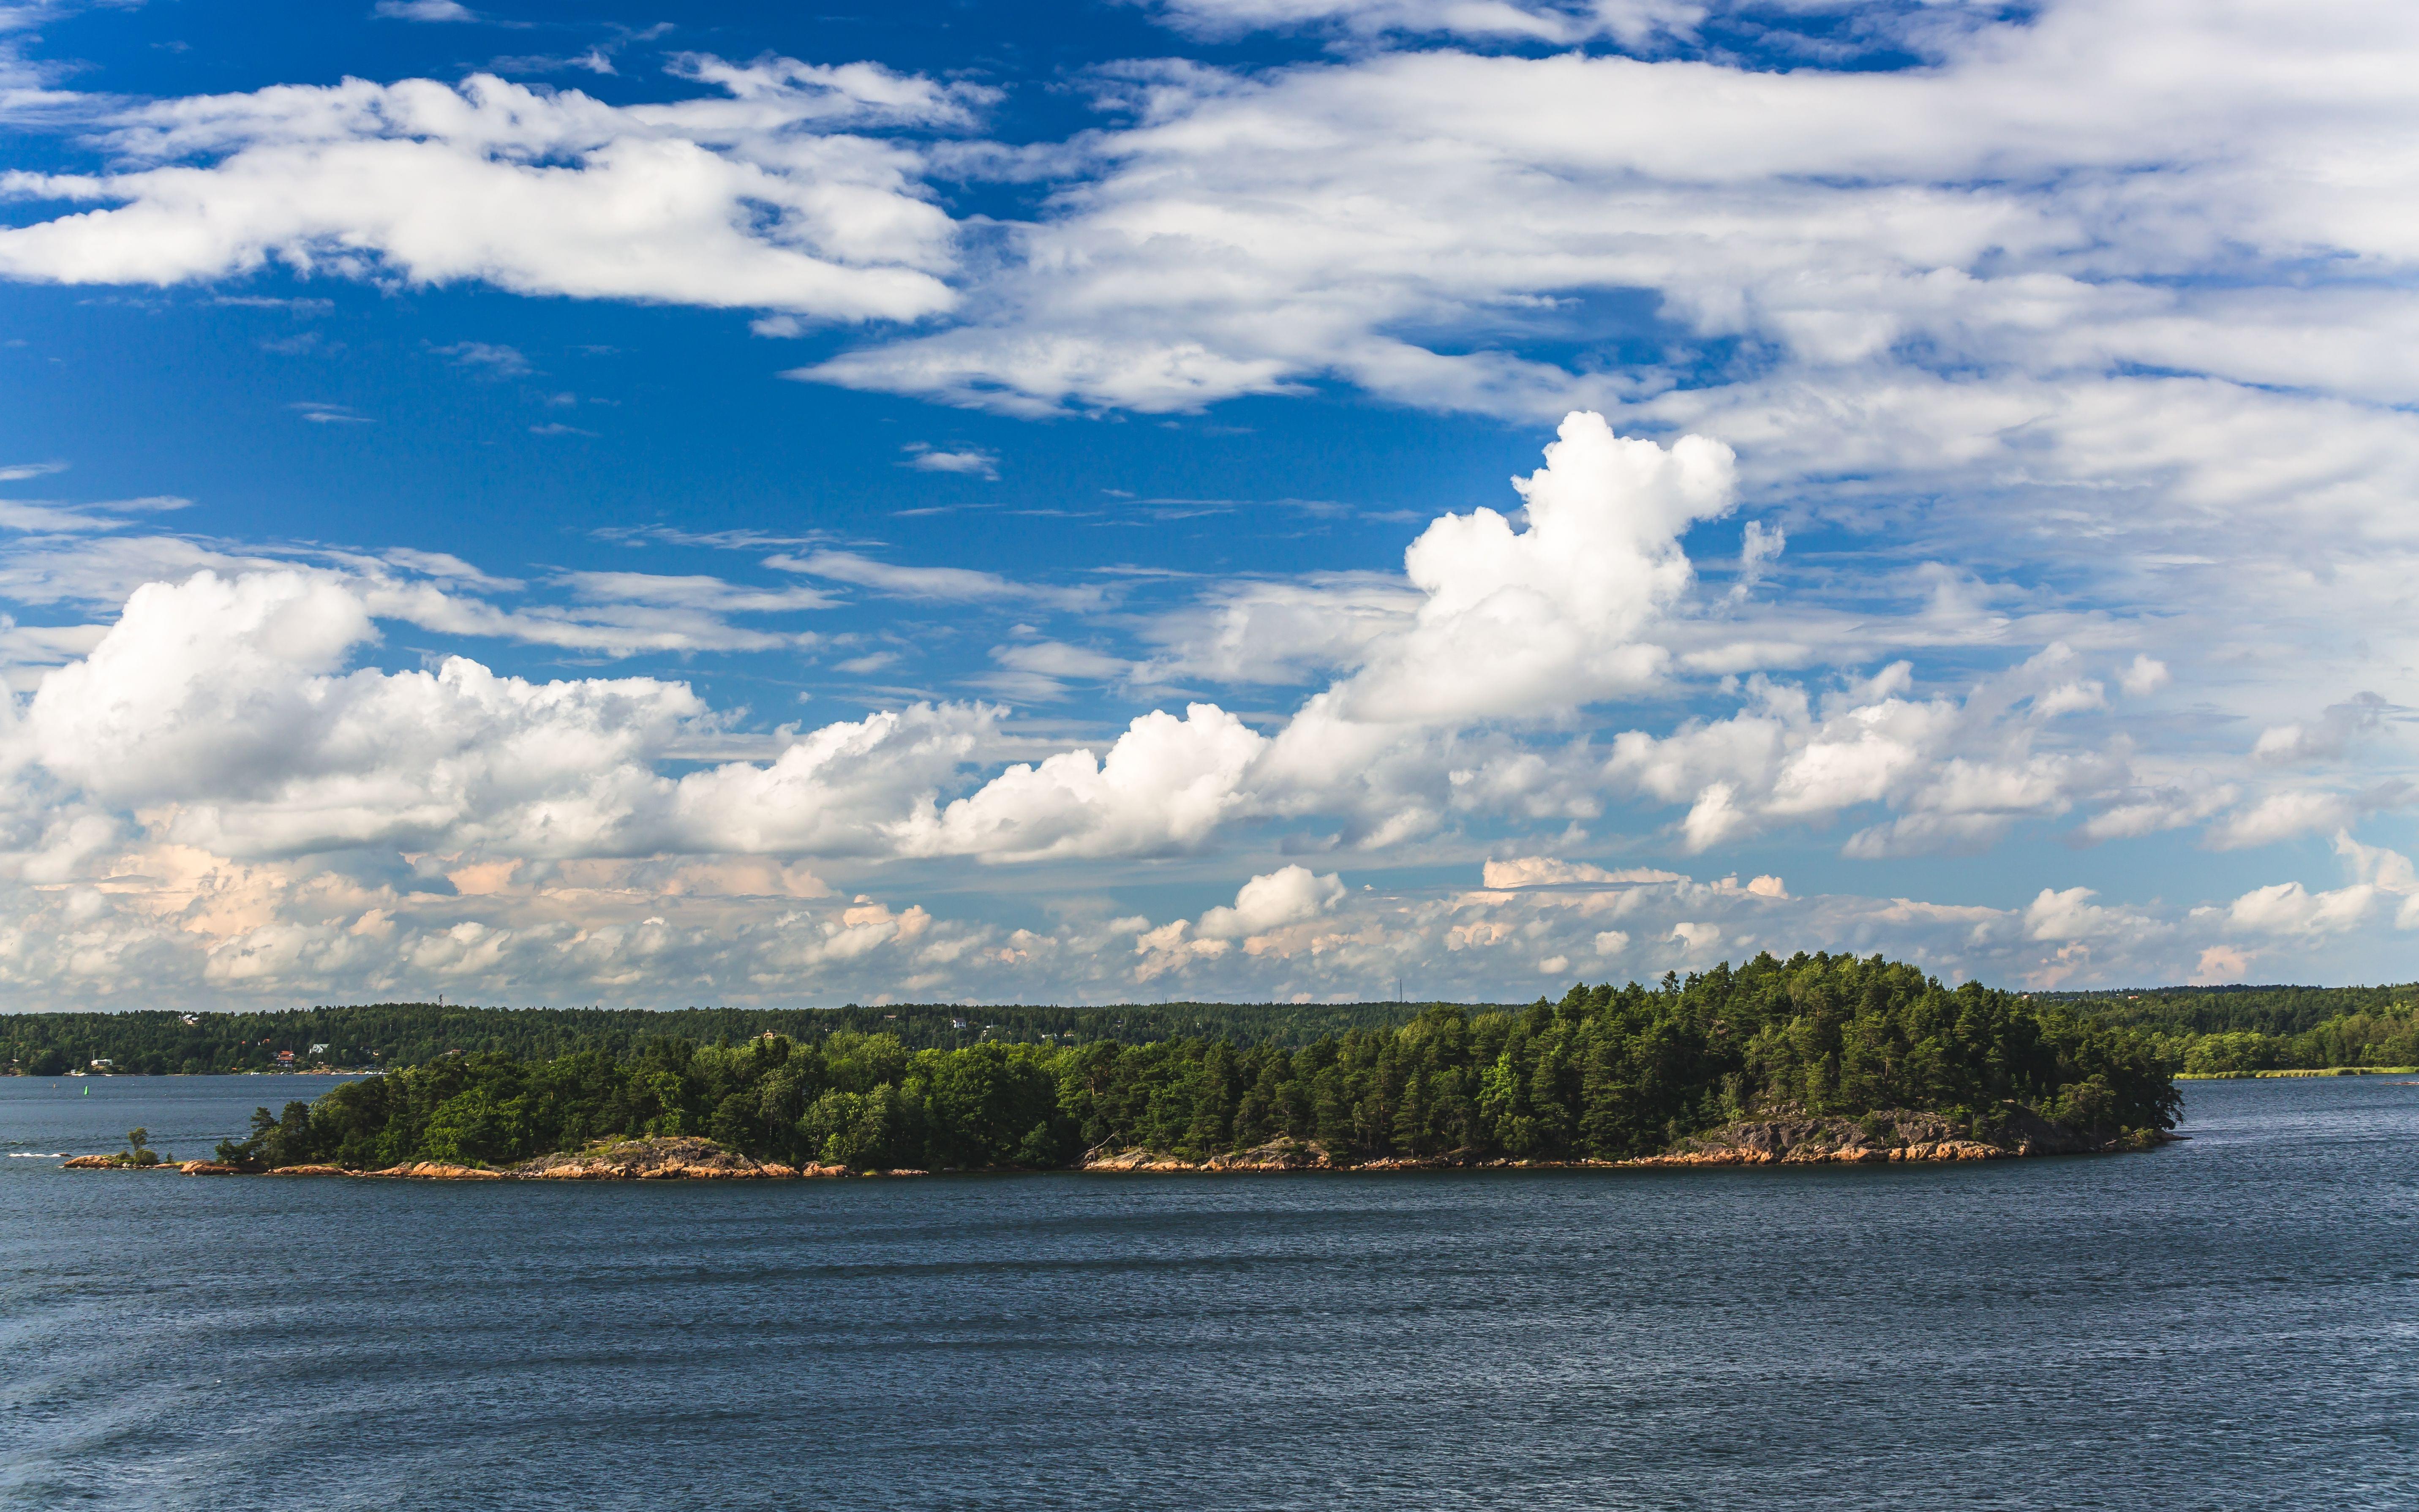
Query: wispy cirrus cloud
x,y
966,461
1558,22
318,412
491,360
428,10
962,585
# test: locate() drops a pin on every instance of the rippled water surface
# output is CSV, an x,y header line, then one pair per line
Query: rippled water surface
x,y
2228,1323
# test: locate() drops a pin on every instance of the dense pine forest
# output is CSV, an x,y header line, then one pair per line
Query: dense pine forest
x,y
393,1035
1605,1072
2230,1030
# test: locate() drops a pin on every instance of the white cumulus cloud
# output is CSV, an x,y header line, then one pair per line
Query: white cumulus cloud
x,y
1520,621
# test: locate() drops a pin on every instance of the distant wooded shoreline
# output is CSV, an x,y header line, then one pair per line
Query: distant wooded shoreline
x,y
2196,1031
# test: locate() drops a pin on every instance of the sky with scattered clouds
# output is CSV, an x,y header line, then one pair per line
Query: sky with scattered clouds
x,y
1201,498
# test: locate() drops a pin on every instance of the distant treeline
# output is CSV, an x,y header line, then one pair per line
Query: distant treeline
x,y
393,1035
2223,1030
2197,1029
1605,1072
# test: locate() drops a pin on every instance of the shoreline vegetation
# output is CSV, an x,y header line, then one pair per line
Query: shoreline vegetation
x,y
1821,1058
2295,1075
2210,1032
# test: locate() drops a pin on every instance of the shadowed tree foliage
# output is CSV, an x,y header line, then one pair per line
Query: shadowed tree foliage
x,y
1605,1072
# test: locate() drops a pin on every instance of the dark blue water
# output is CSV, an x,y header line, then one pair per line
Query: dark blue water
x,y
2230,1322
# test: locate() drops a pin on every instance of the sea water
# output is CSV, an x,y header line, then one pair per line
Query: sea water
x,y
2231,1321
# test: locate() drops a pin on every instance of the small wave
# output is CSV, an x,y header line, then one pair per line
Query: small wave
x,y
35,1154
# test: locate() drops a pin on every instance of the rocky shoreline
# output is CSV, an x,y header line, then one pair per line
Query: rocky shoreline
x,y
692,1159
632,1160
1894,1135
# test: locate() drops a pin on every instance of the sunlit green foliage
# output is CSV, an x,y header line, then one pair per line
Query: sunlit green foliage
x,y
2220,1031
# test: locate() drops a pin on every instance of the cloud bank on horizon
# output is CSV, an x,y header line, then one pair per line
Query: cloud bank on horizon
x,y
1976,434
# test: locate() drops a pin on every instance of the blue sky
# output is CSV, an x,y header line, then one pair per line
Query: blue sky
x,y
1016,502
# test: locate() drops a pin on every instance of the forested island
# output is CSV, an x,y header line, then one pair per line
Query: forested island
x,y
1854,1059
